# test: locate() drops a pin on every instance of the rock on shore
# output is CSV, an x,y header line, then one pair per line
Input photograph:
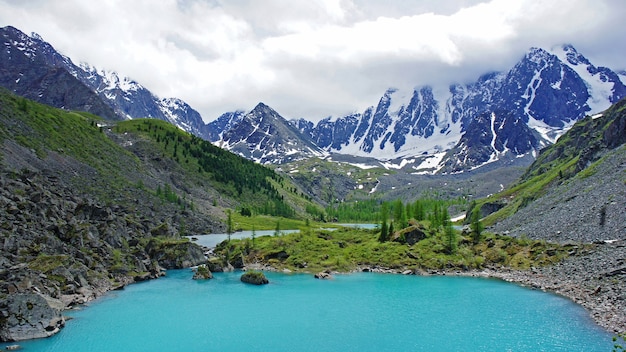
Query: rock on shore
x,y
30,316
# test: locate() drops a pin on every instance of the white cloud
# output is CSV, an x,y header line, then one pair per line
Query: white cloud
x,y
312,58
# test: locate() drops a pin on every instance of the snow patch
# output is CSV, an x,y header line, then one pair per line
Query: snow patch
x,y
431,164
600,90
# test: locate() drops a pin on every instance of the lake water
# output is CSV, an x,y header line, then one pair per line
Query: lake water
x,y
355,312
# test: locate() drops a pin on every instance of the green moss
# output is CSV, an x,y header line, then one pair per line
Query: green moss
x,y
45,263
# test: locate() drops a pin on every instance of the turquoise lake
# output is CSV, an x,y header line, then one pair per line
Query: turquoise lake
x,y
352,312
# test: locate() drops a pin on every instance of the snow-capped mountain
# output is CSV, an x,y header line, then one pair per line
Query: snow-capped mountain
x,y
503,115
264,136
131,100
33,68
216,128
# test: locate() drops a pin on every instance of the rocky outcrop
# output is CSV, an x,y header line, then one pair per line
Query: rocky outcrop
x,y
175,253
202,272
59,249
29,316
410,235
255,278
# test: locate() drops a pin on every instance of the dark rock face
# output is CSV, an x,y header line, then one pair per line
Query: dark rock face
x,y
59,249
254,278
489,208
481,143
175,254
32,68
410,235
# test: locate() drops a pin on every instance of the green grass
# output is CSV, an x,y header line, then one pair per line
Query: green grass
x,y
48,130
347,249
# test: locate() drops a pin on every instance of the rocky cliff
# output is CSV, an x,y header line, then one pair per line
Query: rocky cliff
x,y
60,249
72,225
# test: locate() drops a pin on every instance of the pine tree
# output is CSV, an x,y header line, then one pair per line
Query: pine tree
x,y
450,234
384,230
229,224
476,226
277,230
418,211
399,214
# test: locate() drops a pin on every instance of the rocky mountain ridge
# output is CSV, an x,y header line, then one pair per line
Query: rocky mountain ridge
x,y
266,137
31,67
500,117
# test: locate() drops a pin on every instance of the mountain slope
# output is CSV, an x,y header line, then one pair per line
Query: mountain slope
x,y
574,193
575,189
31,67
264,136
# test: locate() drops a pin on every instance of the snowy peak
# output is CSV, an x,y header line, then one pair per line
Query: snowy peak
x,y
502,116
605,86
264,136
33,68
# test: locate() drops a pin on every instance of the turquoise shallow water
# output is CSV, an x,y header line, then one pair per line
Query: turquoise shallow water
x,y
356,312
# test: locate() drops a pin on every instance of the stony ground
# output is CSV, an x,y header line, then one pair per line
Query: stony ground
x,y
590,209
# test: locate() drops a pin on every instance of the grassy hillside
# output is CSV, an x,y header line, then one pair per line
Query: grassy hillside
x,y
148,160
253,188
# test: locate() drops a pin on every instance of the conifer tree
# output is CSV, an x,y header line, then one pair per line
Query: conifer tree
x,y
229,224
450,234
384,230
418,211
476,226
399,213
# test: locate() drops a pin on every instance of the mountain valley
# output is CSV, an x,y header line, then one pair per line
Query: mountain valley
x,y
103,182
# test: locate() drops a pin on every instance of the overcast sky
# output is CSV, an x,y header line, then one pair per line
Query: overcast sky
x,y
313,58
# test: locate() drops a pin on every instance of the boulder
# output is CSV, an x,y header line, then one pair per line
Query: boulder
x,y
489,208
410,235
323,275
30,316
175,254
255,278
